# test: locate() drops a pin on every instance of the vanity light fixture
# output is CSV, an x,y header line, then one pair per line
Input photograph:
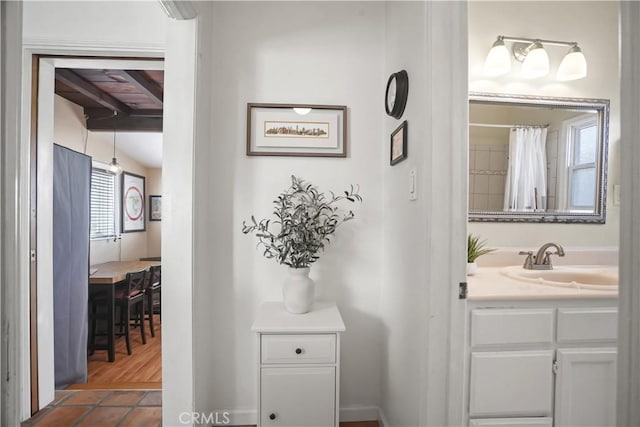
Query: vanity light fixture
x,y
498,60
534,58
573,65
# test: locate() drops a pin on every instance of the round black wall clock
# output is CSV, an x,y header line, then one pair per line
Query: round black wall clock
x,y
397,92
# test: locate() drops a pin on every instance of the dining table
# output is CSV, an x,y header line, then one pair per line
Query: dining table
x,y
104,278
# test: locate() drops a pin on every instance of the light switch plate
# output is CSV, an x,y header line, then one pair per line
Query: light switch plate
x,y
413,184
616,195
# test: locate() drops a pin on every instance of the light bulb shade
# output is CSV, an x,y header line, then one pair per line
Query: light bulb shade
x,y
114,167
573,65
536,63
498,60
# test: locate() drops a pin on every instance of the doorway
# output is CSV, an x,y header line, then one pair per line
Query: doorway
x,y
72,110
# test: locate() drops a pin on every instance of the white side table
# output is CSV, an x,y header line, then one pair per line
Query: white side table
x,y
299,365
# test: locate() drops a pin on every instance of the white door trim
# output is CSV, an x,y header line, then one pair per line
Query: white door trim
x,y
628,411
177,355
14,263
443,363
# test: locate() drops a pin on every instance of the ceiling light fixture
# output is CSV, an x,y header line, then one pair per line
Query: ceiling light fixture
x,y
114,166
534,58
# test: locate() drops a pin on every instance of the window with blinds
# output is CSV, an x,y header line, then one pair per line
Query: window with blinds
x,y
103,207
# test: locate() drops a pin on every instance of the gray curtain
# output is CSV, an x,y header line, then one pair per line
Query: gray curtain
x,y
71,224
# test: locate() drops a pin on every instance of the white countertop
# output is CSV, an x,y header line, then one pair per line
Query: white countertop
x,y
489,284
273,318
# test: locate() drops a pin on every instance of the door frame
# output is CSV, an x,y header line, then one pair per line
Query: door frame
x,y
41,288
177,232
628,387
443,362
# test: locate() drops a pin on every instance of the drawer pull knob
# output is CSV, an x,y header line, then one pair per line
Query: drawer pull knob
x,y
298,350
272,416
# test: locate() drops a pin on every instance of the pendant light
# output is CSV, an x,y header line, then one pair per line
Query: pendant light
x,y
114,166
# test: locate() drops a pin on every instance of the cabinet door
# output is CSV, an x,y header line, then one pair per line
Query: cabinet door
x,y
298,397
586,387
511,384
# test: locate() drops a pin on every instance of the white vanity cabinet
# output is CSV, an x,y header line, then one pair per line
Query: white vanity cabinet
x,y
542,363
586,387
299,365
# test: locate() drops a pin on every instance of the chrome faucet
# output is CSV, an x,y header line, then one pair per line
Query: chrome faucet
x,y
542,259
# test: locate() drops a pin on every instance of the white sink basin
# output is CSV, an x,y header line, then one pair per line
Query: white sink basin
x,y
598,277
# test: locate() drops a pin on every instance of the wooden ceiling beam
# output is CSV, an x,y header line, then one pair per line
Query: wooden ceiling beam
x,y
76,82
125,123
144,84
103,113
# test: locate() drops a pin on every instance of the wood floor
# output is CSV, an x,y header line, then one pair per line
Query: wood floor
x,y
141,370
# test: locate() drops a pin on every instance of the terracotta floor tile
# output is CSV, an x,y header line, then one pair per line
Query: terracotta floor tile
x,y
123,398
143,417
60,396
152,398
63,416
104,417
37,417
88,397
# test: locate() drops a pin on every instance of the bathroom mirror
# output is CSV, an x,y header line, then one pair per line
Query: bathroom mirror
x,y
537,159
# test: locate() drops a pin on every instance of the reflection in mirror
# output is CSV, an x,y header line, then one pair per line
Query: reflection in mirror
x,y
537,159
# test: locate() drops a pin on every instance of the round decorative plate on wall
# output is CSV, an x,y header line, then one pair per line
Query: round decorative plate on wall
x,y
397,92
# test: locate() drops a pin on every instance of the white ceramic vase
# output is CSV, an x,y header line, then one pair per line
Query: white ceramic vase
x,y
298,291
472,267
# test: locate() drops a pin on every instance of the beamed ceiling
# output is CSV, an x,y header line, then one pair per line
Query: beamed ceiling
x,y
124,100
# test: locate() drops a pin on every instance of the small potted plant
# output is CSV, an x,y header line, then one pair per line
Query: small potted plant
x,y
304,221
475,249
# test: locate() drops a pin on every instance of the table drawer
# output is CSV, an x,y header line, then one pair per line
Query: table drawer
x,y
587,324
511,326
318,348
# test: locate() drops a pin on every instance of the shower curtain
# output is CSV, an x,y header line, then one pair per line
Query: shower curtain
x,y
526,182
71,223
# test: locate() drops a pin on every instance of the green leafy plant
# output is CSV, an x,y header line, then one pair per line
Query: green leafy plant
x,y
476,248
305,219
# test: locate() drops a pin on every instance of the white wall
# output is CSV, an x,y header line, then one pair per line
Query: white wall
x,y
594,25
122,24
302,52
70,131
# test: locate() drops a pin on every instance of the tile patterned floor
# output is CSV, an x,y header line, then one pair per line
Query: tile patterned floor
x,y
101,408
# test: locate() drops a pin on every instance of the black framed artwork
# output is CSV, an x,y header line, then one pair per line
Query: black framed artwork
x,y
155,208
132,218
398,145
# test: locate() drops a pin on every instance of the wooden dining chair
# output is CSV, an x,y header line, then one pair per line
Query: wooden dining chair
x,y
153,287
131,296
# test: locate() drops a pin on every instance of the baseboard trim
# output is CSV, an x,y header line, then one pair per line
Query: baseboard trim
x,y
382,420
359,413
348,414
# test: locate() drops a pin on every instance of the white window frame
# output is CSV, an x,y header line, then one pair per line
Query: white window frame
x,y
116,202
570,130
